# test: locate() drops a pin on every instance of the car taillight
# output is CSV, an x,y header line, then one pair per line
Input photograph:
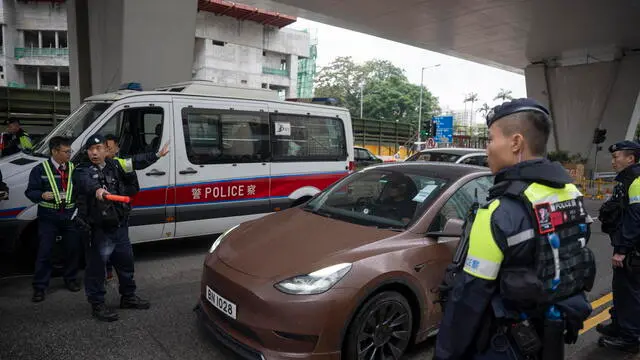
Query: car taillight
x,y
352,166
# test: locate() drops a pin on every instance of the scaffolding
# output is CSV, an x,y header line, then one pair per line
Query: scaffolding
x,y
307,67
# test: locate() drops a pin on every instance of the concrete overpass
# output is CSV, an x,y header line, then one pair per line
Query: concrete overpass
x,y
579,57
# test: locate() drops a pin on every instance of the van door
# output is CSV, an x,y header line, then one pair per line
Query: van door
x,y
141,127
222,153
309,152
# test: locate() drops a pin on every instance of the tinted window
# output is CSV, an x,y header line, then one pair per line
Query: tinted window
x,y
480,160
460,202
362,154
435,156
308,138
221,136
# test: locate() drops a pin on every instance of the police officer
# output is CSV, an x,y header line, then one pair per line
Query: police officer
x,y
137,161
620,218
129,165
50,187
108,222
511,286
15,140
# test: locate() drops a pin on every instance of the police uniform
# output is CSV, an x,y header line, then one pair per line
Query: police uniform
x,y
533,224
109,239
620,216
54,222
14,143
129,165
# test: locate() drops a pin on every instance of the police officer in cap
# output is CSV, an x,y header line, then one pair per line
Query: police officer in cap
x,y
511,301
620,218
108,223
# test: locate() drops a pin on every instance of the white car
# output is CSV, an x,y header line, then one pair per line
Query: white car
x,y
454,155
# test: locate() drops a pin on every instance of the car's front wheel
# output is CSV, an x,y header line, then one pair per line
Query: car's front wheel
x,y
381,329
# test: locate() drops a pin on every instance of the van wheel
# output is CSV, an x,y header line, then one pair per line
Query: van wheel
x,y
381,329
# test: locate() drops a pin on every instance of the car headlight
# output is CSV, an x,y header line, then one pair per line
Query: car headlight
x,y
316,282
220,238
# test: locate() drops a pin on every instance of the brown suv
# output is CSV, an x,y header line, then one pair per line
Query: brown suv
x,y
353,271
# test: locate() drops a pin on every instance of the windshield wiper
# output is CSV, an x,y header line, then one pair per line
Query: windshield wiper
x,y
33,153
392,228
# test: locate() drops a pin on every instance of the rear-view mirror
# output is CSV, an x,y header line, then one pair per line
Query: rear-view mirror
x,y
452,228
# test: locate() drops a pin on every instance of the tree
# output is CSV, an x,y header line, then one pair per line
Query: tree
x,y
387,94
504,95
484,110
472,98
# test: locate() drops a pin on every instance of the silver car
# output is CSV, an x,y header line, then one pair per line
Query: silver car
x,y
454,155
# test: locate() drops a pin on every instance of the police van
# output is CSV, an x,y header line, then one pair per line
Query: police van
x,y
235,154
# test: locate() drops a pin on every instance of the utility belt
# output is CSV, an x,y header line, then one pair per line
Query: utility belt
x,y
528,341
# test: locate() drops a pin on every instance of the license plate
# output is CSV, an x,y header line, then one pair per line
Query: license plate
x,y
222,304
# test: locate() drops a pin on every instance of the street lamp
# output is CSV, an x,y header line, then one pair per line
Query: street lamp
x,y
361,101
420,109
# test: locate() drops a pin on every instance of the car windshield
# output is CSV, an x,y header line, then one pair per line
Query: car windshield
x,y
382,198
435,156
74,125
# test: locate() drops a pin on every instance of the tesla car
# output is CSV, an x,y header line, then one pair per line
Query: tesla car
x,y
455,155
352,274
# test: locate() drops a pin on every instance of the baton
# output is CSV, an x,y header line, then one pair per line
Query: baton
x,y
118,198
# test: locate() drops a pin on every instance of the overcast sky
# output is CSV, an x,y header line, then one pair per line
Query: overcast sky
x,y
449,82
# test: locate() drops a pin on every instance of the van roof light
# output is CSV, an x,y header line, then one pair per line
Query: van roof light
x,y
131,86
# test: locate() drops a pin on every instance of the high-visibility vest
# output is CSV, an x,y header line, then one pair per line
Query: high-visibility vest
x,y
56,192
126,164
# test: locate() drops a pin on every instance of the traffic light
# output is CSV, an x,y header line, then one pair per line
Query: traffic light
x,y
599,136
434,127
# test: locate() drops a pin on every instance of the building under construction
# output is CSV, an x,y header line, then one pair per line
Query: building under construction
x,y
307,68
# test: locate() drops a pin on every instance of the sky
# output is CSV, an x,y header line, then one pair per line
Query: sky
x,y
449,82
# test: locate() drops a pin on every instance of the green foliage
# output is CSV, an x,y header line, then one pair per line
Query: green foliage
x,y
566,158
387,93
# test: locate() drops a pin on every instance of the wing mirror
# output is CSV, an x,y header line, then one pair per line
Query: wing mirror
x,y
452,228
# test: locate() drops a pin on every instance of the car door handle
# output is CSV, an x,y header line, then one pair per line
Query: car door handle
x,y
155,172
188,171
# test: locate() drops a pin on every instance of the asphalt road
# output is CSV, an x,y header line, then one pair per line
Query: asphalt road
x,y
168,274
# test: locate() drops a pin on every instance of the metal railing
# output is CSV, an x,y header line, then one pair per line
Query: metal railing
x,y
40,52
272,71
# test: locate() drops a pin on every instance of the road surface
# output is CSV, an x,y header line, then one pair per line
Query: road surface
x,y
168,274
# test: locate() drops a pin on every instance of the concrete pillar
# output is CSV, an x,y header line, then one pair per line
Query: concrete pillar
x,y
584,97
37,77
129,41
57,40
40,39
58,84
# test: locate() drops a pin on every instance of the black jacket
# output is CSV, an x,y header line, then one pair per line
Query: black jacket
x,y
88,178
471,297
39,184
627,233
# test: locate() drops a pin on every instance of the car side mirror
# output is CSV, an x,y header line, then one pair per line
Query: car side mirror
x,y
452,228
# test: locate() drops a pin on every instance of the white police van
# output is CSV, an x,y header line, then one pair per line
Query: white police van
x,y
235,154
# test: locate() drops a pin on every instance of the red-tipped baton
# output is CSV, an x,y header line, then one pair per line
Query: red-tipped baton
x,y
118,198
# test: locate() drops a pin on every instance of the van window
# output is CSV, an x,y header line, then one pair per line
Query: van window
x,y
307,138
222,136
131,126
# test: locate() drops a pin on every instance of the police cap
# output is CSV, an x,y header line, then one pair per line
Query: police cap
x,y
625,145
516,106
94,140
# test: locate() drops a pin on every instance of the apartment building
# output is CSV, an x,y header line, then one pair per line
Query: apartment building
x,y
235,45
35,51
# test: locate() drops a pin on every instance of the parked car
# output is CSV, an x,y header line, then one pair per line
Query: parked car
x,y
455,155
364,158
353,271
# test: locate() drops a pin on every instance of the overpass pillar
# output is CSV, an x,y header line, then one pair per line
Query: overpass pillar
x,y
584,97
117,41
